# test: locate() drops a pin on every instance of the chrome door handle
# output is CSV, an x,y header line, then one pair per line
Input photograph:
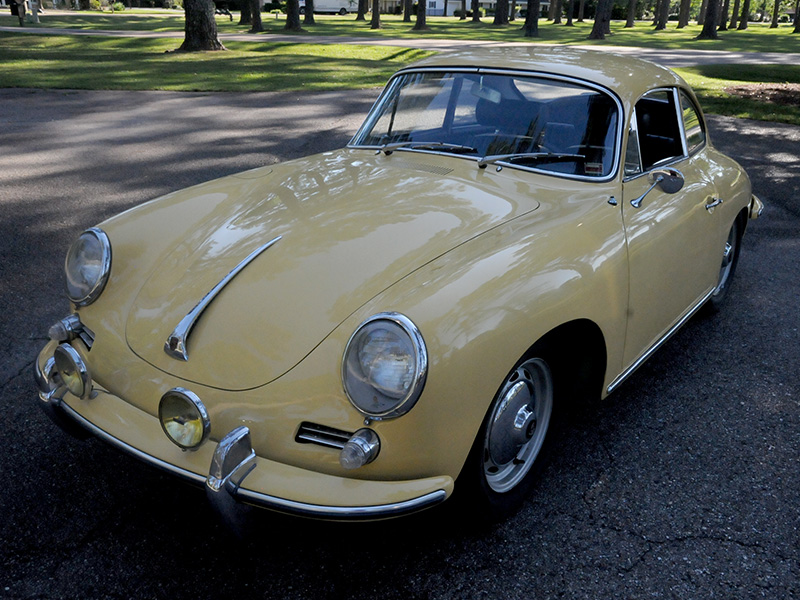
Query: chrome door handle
x,y
714,202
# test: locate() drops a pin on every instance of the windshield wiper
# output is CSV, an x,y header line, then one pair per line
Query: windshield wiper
x,y
532,156
387,149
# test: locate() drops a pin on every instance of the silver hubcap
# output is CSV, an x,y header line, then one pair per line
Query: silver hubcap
x,y
518,425
727,260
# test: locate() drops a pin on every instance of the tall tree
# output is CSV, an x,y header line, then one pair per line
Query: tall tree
x,y
797,17
581,10
375,23
476,11
776,12
501,12
531,27
684,13
308,17
745,17
361,15
559,5
200,30
723,17
293,16
421,24
701,15
662,15
710,25
408,8
734,15
255,22
512,15
631,13
463,15
245,18
601,20
570,9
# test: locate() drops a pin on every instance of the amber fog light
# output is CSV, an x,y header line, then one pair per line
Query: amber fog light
x,y
184,418
73,371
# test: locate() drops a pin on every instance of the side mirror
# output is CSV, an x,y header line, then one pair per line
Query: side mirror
x,y
669,180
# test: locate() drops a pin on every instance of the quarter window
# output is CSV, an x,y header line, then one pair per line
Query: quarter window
x,y
692,124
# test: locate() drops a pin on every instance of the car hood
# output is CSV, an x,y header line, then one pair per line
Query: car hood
x,y
351,224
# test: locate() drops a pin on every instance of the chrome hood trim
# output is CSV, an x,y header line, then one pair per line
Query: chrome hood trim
x,y
175,346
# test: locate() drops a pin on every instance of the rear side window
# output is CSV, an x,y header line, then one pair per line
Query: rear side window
x,y
692,124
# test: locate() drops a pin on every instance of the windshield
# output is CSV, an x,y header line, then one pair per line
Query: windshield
x,y
529,122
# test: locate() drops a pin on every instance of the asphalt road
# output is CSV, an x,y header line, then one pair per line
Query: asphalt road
x,y
682,484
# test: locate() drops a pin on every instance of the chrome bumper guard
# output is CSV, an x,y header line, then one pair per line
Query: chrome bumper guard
x,y
233,460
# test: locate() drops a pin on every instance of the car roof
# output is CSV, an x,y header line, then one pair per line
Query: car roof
x,y
626,76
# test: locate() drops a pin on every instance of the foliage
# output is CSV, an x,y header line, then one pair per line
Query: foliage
x,y
118,7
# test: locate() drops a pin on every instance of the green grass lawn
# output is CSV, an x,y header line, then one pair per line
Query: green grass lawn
x,y
72,62
757,38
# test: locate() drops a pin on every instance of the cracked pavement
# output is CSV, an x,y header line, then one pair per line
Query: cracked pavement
x,y
682,484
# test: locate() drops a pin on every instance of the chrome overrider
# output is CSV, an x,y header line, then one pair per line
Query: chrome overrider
x,y
233,459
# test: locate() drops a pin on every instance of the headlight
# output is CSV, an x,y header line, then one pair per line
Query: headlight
x,y
87,266
384,366
184,418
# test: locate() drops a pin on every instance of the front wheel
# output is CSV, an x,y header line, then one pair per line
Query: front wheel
x,y
730,258
507,454
342,11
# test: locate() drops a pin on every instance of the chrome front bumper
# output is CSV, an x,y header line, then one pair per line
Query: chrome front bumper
x,y
232,461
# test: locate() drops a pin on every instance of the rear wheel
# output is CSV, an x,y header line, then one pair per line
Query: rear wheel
x,y
342,11
506,456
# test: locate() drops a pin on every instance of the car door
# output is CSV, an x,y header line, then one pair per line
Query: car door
x,y
672,237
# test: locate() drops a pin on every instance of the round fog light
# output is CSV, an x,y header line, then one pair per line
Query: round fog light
x,y
361,449
184,418
73,371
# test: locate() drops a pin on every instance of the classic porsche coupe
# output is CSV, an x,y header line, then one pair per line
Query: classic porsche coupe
x,y
362,333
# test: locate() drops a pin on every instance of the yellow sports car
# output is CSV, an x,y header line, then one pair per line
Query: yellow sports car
x,y
362,333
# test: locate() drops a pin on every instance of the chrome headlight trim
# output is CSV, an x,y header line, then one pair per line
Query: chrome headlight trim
x,y
174,419
85,292
72,371
385,402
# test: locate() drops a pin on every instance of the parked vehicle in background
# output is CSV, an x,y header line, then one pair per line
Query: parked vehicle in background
x,y
337,7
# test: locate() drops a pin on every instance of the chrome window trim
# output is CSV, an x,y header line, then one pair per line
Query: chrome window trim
x,y
700,117
663,340
615,167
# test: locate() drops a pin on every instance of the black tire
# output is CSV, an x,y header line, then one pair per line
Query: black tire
x,y
730,258
508,453
342,11
302,10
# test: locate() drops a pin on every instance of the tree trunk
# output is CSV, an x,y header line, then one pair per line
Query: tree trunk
x,y
734,15
601,20
501,13
663,15
557,14
200,31
476,11
512,15
632,13
361,15
531,27
420,25
408,7
701,15
255,7
683,13
463,16
570,10
776,12
245,18
710,26
723,17
745,17
581,10
375,23
308,18
797,17
292,16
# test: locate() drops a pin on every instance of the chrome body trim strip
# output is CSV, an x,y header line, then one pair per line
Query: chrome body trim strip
x,y
175,346
639,361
